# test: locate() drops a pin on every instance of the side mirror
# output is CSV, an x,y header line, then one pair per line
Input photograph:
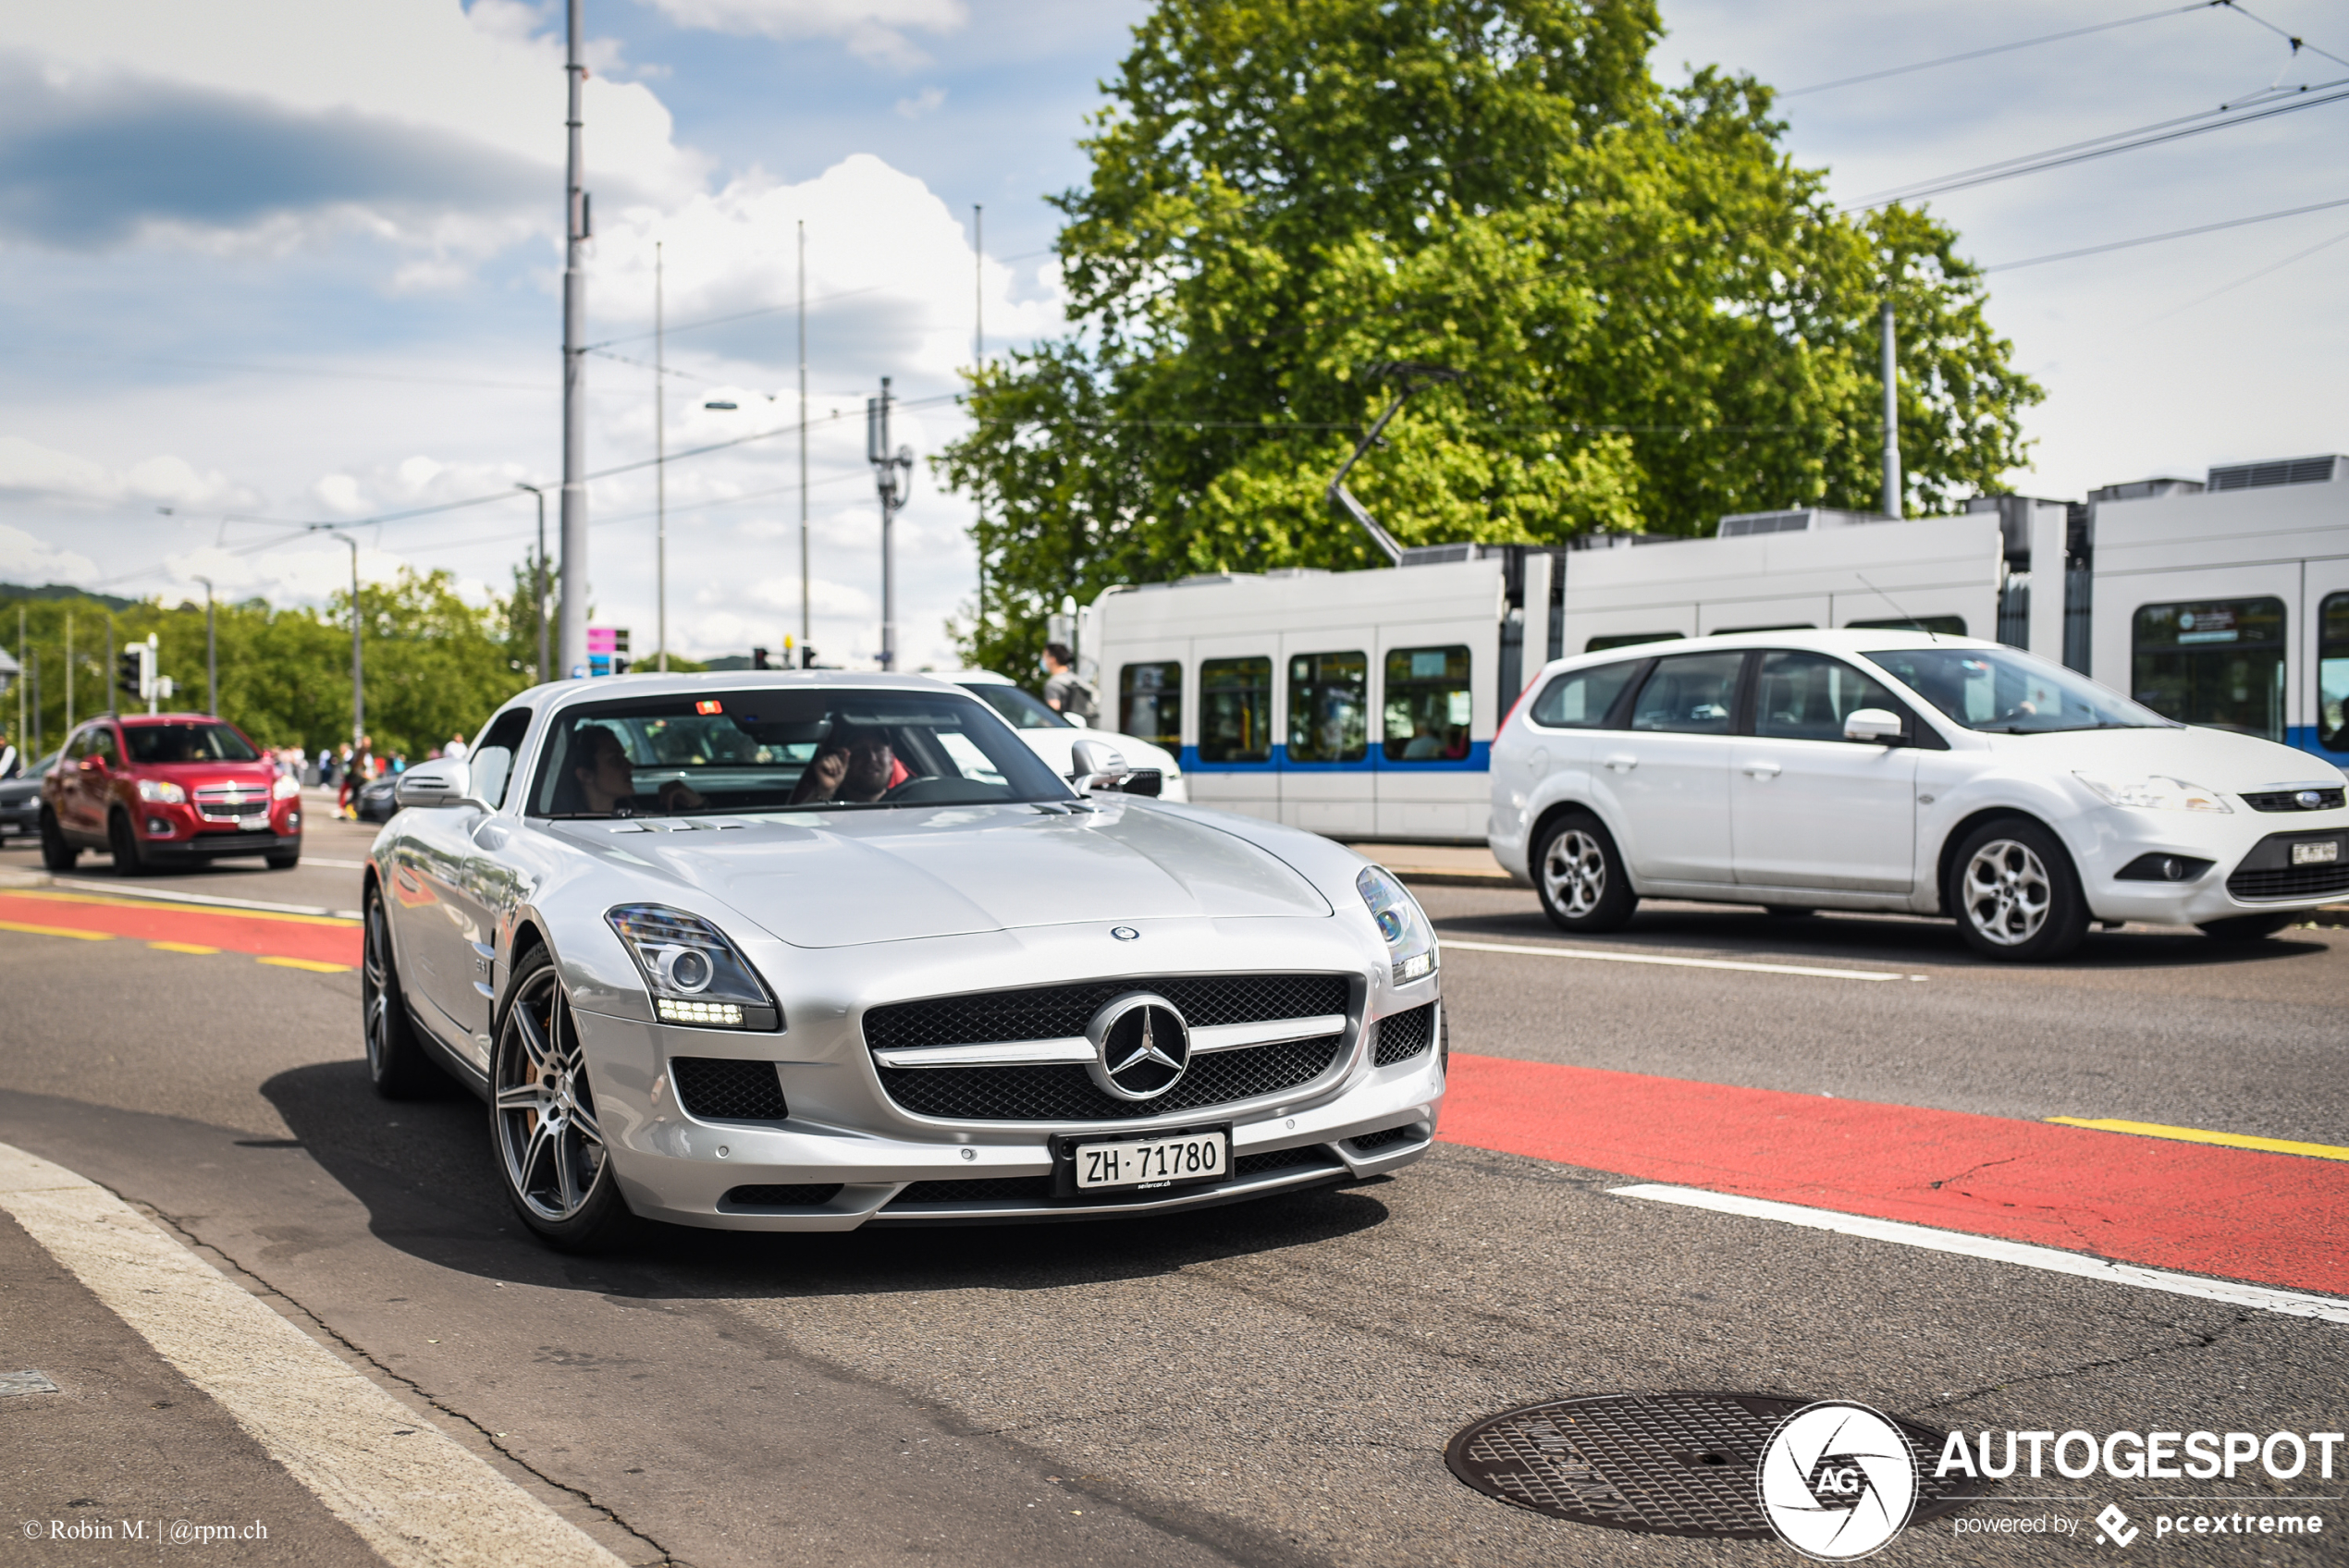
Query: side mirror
x,y
1878,726
93,765
1097,763
446,782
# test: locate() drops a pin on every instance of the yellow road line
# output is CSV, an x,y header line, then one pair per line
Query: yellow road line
x,y
181,948
56,931
172,906
2197,1135
310,964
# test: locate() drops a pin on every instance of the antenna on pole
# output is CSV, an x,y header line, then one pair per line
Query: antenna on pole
x,y
1407,378
893,477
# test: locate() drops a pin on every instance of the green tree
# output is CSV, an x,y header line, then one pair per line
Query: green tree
x,y
1657,316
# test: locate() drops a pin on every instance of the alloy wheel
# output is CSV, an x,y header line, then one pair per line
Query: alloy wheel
x,y
375,989
548,1134
1574,872
2008,892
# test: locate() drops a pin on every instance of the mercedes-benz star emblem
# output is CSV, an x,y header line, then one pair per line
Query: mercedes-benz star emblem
x,y
1140,1046
1125,933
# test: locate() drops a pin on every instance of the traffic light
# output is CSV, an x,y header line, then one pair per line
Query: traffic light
x,y
130,672
758,659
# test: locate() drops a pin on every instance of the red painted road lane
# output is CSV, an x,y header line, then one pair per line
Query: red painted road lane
x,y
2276,1220
310,937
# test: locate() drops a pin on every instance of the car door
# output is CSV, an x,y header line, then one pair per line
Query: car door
x,y
437,922
1668,775
90,785
484,886
1808,808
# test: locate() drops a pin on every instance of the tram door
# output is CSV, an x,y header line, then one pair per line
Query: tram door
x,y
2320,726
1434,687
1233,763
1326,769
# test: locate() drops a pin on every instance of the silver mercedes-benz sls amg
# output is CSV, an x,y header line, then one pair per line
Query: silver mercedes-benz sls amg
x,y
808,951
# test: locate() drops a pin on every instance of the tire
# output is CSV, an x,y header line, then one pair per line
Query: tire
x,y
1788,912
545,1141
284,863
56,854
1578,874
396,1060
122,842
2014,893
2246,927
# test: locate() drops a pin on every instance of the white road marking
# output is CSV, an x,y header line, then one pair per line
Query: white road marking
x,y
1600,956
409,1490
2292,1304
172,896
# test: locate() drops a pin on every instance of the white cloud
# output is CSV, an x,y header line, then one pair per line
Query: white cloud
x,y
31,470
926,102
875,30
32,562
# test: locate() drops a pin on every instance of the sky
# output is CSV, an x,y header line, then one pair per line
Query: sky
x,y
269,263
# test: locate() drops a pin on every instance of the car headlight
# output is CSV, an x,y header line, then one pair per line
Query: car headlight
x,y
2157,792
694,974
1410,940
286,787
161,790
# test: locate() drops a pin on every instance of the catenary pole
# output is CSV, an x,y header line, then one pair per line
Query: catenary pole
x,y
24,665
660,470
69,672
805,618
111,671
979,360
358,667
572,636
538,578
1892,497
211,655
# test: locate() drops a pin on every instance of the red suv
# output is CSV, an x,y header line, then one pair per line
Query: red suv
x,y
167,786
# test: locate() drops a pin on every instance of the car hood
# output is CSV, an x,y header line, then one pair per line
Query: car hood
x,y
845,879
2216,759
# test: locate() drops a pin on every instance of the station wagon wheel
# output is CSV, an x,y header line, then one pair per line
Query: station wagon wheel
x,y
542,1116
2014,893
1579,873
396,1059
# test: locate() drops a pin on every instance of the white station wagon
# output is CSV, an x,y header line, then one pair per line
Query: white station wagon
x,y
1901,771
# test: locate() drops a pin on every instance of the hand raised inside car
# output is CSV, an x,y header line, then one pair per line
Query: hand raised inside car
x,y
824,776
677,795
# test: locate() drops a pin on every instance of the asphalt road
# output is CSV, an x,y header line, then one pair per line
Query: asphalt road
x,y
1270,1383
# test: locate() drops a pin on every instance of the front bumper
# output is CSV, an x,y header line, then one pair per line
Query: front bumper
x,y
2237,849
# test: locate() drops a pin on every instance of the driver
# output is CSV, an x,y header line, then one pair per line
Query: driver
x,y
855,765
607,782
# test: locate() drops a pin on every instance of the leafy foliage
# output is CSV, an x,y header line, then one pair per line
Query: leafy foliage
x,y
1659,318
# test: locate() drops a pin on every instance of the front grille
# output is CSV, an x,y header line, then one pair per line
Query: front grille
x,y
1037,1191
813,1196
1370,1141
1403,1036
229,803
1055,1013
2291,882
1061,1092
720,1089
2289,799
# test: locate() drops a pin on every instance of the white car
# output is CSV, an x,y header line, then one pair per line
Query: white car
x,y
1901,771
1054,736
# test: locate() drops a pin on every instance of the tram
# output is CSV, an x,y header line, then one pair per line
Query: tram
x,y
1363,704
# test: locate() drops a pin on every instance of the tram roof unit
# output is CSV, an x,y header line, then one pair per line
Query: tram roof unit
x,y
2248,514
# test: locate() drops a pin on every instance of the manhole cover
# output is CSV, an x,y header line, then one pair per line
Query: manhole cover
x,y
1669,1465
26,1383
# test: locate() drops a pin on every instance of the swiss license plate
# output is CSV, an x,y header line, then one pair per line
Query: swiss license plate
x,y
1152,1162
2316,854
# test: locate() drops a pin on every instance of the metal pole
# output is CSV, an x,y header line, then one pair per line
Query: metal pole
x,y
1892,496
358,670
573,628
538,578
884,476
109,687
211,655
69,672
804,624
24,666
661,471
979,360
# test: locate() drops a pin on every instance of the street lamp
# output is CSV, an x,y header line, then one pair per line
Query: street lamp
x,y
358,670
538,575
211,655
893,478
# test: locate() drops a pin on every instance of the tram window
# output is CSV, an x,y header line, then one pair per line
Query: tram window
x,y
1149,702
2217,662
1940,625
1427,704
2332,673
1329,708
1580,698
1629,640
1236,710
1690,695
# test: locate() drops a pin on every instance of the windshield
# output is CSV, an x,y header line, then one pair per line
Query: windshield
x,y
186,742
782,748
1020,709
2003,692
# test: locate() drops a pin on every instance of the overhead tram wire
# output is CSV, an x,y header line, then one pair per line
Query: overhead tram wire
x,y
2001,48
2173,234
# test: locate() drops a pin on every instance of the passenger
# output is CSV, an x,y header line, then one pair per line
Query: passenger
x,y
607,782
854,765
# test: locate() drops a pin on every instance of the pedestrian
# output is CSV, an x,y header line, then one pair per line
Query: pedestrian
x,y
9,761
456,748
1064,693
